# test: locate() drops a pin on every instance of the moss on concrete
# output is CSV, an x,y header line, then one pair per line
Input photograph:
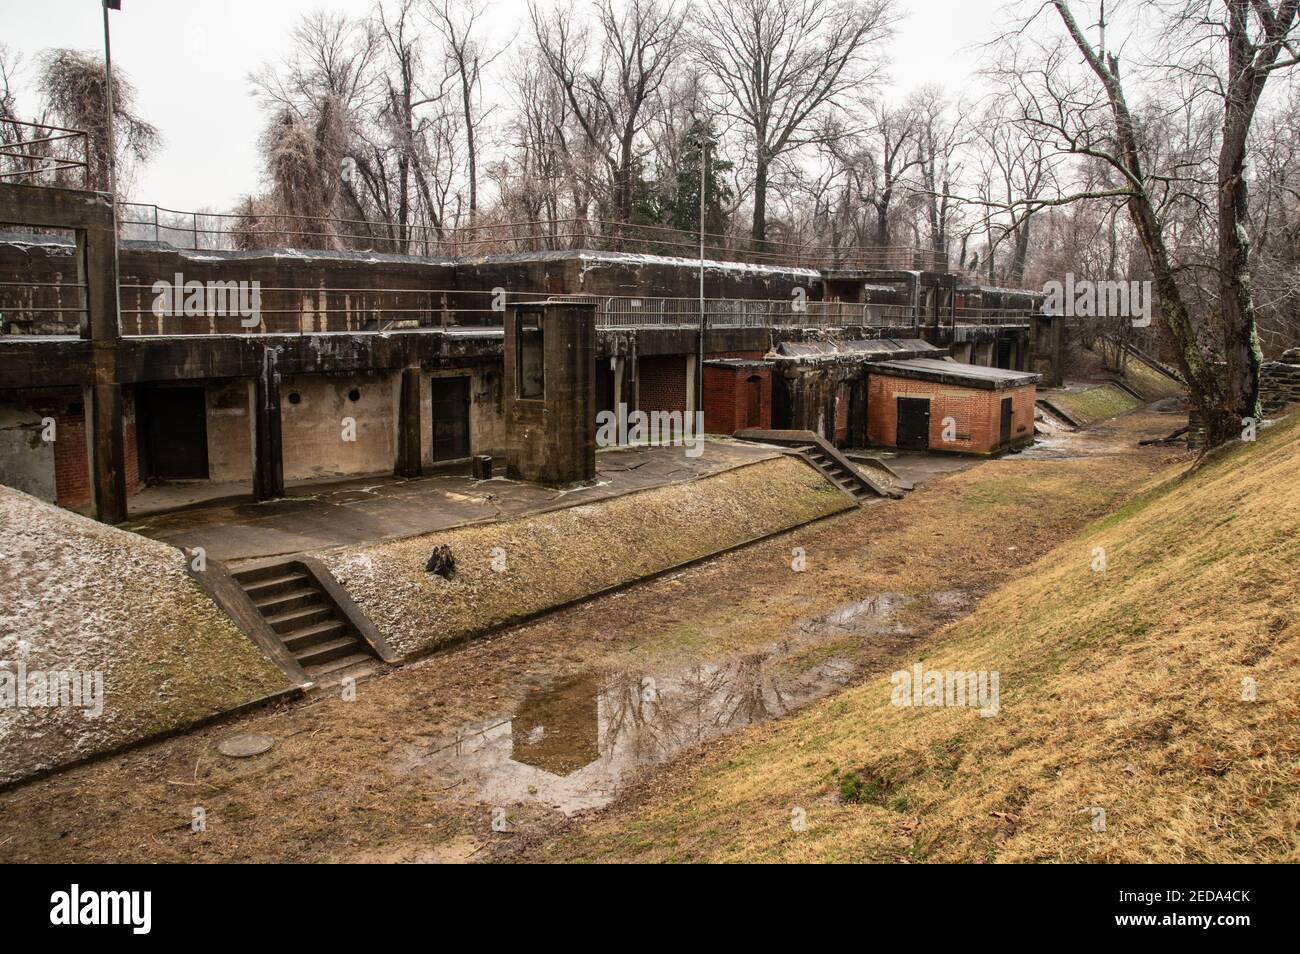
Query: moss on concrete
x,y
79,596
516,568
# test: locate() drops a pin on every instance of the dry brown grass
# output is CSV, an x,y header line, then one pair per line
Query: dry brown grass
x,y
1120,689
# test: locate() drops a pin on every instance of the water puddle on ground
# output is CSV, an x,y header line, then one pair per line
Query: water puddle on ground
x,y
569,746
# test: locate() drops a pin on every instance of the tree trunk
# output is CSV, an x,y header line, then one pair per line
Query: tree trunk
x,y
759,231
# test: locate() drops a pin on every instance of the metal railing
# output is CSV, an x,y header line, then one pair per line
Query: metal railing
x,y
227,231
56,307
39,154
306,310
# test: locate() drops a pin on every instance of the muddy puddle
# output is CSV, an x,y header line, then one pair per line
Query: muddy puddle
x,y
570,745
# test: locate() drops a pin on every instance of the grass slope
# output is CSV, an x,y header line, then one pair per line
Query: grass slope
x,y
79,596
1093,404
1149,382
1120,689
548,559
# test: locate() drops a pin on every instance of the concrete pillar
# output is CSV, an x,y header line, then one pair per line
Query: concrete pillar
x,y
96,269
268,448
691,362
409,424
105,443
549,433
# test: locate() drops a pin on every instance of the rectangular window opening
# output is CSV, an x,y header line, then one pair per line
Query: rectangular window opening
x,y
531,369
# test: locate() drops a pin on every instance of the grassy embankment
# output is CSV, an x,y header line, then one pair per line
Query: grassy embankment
x,y
1127,690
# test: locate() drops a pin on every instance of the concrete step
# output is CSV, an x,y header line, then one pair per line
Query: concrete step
x,y
256,574
290,599
300,618
337,669
328,651
309,624
269,586
313,635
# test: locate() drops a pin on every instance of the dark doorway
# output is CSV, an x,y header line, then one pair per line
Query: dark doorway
x,y
1005,439
913,424
1004,353
450,413
175,425
754,402
604,386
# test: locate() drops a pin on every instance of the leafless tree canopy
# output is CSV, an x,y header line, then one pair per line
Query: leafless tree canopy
x,y
1116,139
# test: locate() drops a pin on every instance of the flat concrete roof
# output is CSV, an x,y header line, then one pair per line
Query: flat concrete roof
x,y
954,372
885,347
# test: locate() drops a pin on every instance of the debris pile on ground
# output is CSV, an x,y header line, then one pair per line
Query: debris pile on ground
x,y
517,568
102,616
441,562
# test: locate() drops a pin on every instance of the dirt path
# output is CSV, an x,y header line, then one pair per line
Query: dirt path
x,y
602,701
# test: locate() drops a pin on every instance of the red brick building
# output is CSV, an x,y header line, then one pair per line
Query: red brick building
x,y
737,394
938,405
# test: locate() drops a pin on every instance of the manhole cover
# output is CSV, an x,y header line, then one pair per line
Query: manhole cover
x,y
242,746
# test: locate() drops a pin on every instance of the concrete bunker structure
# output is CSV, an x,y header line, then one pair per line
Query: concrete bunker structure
x,y
551,392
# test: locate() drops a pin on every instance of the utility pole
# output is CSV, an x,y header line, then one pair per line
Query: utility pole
x,y
112,150
704,180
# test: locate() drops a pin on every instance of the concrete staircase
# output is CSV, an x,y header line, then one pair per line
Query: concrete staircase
x,y
822,455
305,619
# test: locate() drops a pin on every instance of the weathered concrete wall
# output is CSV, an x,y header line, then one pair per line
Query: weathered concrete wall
x,y
229,430
314,427
487,424
552,437
26,460
371,289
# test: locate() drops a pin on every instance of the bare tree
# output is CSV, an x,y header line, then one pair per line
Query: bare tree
x,y
894,150
456,22
609,87
1222,52
74,89
781,62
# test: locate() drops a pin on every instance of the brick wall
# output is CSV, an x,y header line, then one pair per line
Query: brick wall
x,y
977,413
843,398
72,463
726,399
662,383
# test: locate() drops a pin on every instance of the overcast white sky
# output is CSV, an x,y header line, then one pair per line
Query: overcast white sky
x,y
190,61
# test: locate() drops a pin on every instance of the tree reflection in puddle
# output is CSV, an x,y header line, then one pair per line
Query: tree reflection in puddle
x,y
569,746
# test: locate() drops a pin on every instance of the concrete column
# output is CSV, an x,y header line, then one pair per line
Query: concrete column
x,y
409,424
691,361
268,448
103,398
105,442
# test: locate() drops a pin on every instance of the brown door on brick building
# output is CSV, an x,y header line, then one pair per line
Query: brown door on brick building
x,y
754,402
450,413
175,425
913,424
1004,440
